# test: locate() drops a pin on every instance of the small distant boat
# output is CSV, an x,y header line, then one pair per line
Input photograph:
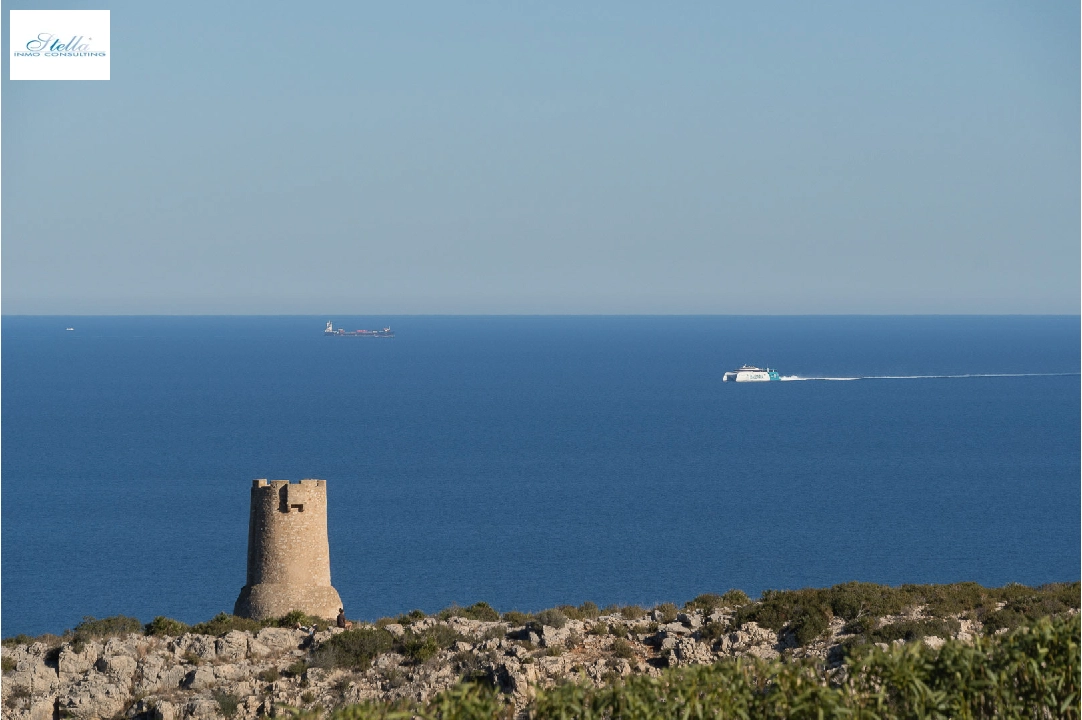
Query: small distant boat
x,y
69,328
332,331
750,373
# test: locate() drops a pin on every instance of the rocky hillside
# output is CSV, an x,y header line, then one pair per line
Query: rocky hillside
x,y
244,673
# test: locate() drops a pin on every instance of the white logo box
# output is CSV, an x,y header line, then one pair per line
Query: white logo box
x,y
59,45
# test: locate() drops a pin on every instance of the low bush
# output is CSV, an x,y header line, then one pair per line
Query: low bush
x,y
515,618
622,649
423,645
478,611
632,612
163,626
552,618
222,623
495,633
7,665
910,630
411,617
666,613
589,611
705,603
353,649
711,632
295,617
805,613
93,629
227,703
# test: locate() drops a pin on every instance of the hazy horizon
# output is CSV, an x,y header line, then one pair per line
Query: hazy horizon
x,y
611,159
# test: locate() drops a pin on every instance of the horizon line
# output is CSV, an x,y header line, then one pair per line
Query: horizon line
x,y
584,314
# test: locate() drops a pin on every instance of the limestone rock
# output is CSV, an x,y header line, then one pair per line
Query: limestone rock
x,y
280,638
554,637
692,652
74,663
119,669
201,677
93,697
232,646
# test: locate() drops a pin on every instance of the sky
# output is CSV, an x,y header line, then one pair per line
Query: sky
x,y
549,158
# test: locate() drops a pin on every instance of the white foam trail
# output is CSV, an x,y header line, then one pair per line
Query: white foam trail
x,y
929,377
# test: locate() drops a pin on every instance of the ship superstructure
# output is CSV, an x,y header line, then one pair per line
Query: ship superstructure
x,y
750,373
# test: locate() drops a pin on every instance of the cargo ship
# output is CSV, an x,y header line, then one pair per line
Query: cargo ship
x,y
332,331
750,373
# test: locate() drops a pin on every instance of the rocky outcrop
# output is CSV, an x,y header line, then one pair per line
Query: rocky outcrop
x,y
243,675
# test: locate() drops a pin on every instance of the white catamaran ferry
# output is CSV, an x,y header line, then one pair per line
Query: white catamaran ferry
x,y
749,373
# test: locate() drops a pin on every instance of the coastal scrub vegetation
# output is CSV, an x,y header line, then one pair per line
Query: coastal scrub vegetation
x,y
806,613
356,649
1030,672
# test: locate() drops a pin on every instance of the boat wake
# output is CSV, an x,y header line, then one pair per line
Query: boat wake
x,y
928,377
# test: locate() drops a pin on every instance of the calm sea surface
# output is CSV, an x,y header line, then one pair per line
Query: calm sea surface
x,y
532,461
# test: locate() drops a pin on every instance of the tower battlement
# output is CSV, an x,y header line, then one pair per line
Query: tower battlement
x,y
289,560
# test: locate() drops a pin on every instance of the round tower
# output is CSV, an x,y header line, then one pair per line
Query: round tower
x,y
289,557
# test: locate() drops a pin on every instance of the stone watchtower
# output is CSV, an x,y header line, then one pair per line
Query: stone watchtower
x,y
289,557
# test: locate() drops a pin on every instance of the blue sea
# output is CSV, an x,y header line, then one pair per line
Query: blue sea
x,y
533,461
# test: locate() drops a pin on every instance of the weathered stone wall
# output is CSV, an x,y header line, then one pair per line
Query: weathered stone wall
x,y
289,558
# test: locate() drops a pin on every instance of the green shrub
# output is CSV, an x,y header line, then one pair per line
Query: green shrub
x,y
222,623
117,625
297,669
296,617
855,599
589,611
666,613
570,612
20,639
515,618
619,630
227,703
269,675
353,649
7,665
622,649
705,603
599,628
552,618
495,633
910,630
805,613
480,611
411,617
163,626
711,632
422,645
632,612
734,598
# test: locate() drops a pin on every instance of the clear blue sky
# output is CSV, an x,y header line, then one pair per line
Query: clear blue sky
x,y
555,157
